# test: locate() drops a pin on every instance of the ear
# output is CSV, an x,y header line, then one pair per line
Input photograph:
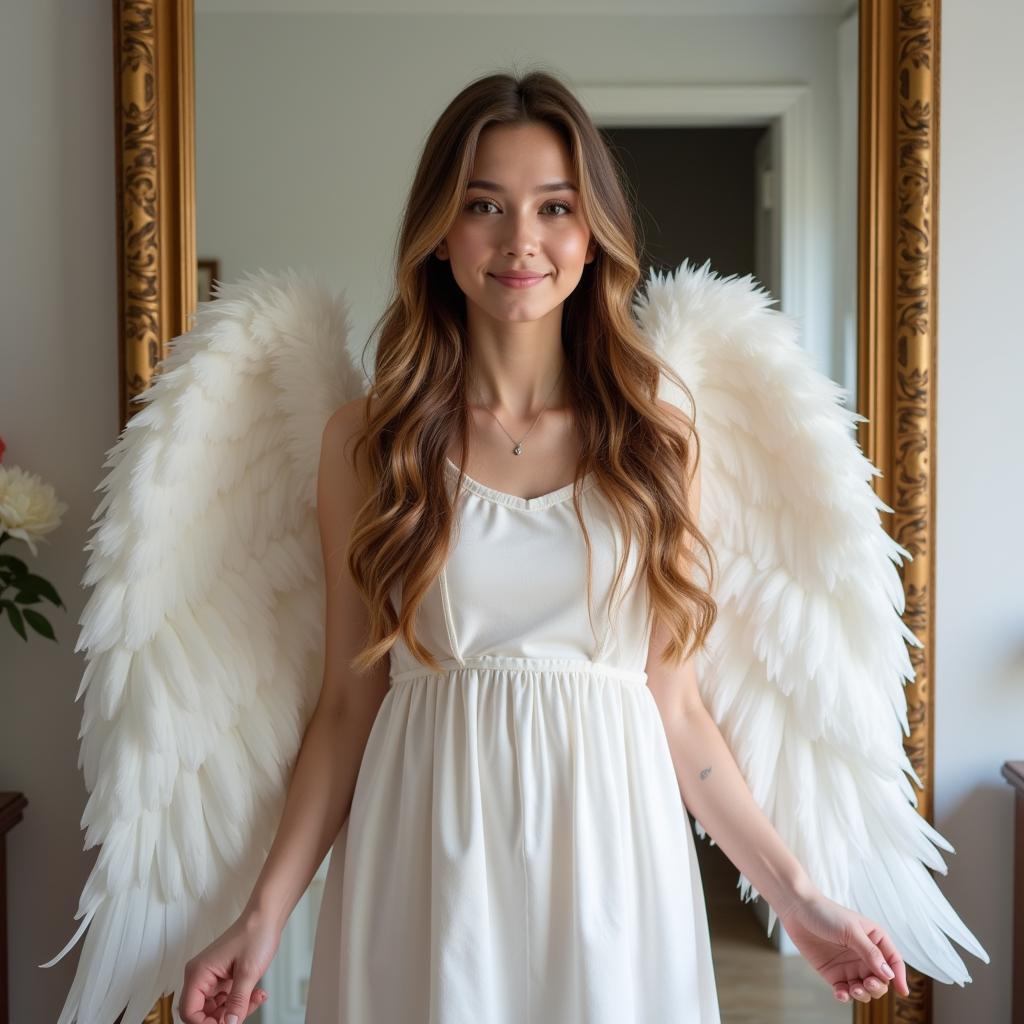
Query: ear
x,y
591,250
441,250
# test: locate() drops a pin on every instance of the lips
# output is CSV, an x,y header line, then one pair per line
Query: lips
x,y
518,279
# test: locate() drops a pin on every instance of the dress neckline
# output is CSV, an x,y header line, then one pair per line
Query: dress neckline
x,y
555,497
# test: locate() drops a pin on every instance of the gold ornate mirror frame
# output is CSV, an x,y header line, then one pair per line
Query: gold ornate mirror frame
x,y
897,251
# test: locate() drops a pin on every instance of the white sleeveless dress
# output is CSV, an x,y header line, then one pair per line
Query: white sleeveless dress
x,y
517,850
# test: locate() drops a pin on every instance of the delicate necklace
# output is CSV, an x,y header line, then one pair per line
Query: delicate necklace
x,y
518,445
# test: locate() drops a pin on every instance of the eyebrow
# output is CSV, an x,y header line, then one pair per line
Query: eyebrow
x,y
551,186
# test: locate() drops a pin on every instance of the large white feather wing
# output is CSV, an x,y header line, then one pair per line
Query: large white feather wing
x,y
805,667
203,633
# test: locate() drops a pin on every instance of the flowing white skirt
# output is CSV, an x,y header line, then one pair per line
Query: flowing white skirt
x,y
517,852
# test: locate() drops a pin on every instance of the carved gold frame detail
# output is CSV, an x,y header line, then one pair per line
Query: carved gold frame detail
x,y
897,257
897,326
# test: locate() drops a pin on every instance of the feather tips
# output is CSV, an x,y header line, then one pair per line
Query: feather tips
x,y
203,629
805,669
202,632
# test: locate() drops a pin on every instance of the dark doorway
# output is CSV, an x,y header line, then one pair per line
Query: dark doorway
x,y
700,193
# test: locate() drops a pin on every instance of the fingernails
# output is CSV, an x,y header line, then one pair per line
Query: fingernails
x,y
887,971
232,1018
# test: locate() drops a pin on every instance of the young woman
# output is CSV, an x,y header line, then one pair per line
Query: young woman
x,y
510,730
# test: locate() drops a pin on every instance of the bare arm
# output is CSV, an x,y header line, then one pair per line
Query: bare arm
x,y
715,791
324,777
711,783
852,952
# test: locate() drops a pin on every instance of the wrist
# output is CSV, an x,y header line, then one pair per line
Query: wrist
x,y
798,891
781,879
263,912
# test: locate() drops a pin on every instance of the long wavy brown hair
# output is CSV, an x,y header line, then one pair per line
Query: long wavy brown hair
x,y
643,458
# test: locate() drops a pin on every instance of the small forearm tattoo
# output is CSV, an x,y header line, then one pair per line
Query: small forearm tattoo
x,y
705,772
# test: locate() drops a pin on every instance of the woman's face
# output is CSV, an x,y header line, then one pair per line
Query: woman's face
x,y
507,223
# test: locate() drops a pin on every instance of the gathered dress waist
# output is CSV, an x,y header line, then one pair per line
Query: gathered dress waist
x,y
504,662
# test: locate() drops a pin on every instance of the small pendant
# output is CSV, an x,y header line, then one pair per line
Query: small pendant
x,y
518,450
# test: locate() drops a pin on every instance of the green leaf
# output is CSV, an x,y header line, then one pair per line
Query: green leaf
x,y
15,566
47,590
26,586
39,623
38,587
15,617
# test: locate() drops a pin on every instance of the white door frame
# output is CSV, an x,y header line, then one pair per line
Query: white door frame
x,y
786,109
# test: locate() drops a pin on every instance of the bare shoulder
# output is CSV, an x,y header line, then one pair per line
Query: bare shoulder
x,y
346,421
340,431
342,486
341,493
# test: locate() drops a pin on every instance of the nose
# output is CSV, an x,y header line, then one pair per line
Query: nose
x,y
520,238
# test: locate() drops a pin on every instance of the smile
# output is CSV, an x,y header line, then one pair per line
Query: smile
x,y
518,282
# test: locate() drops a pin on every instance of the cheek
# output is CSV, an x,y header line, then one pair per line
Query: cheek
x,y
465,241
571,246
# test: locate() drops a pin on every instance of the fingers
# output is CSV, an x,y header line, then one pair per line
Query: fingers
x,y
259,997
884,964
866,945
845,990
242,998
863,992
214,1009
879,953
197,990
893,959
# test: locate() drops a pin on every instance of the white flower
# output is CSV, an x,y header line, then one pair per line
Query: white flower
x,y
29,508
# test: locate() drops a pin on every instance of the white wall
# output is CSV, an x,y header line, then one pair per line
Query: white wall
x,y
979,674
58,415
300,118
58,403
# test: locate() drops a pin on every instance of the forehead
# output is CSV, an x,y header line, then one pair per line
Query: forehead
x,y
522,156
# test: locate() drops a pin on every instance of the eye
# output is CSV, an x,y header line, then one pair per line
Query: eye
x,y
557,203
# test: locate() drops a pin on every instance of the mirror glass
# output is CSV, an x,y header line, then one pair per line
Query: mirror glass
x,y
736,122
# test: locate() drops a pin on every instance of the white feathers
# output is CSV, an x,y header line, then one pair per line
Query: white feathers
x,y
805,667
203,632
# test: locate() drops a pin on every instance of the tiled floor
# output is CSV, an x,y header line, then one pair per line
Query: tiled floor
x,y
756,983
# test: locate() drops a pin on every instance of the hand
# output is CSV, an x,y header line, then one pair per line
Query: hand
x,y
220,981
847,949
